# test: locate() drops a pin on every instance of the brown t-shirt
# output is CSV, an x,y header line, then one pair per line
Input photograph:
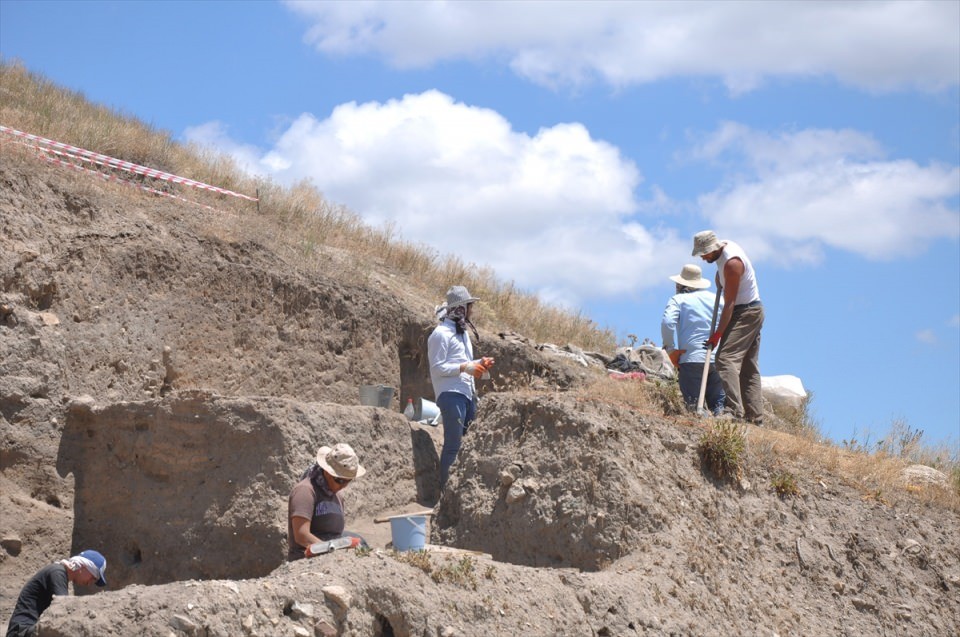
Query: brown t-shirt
x,y
324,509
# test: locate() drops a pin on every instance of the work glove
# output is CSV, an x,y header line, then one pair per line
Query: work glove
x,y
675,357
475,368
713,341
487,362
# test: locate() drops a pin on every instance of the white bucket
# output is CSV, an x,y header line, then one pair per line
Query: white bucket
x,y
426,411
376,395
408,532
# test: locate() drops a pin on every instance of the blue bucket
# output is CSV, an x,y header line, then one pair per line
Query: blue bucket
x,y
409,532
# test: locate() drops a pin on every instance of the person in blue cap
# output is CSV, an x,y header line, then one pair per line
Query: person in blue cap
x,y
37,594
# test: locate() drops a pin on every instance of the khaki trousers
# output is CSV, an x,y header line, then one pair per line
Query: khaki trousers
x,y
738,363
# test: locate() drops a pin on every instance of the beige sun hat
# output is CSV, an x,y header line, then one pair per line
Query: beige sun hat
x,y
691,276
340,461
458,295
705,242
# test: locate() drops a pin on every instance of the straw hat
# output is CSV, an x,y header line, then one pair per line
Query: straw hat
x,y
340,461
690,277
705,242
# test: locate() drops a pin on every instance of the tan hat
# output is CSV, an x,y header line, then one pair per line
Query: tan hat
x,y
340,461
690,276
705,242
458,295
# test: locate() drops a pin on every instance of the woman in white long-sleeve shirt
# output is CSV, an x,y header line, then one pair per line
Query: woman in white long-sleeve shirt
x,y
453,371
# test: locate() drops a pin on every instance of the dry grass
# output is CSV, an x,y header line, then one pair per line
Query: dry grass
x,y
652,397
874,467
296,221
876,474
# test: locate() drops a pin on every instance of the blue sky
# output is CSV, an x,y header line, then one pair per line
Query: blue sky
x,y
577,147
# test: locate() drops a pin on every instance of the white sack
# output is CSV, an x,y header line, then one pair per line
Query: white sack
x,y
783,391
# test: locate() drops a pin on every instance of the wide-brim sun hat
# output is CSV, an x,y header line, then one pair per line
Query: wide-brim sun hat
x,y
691,277
340,461
458,295
705,242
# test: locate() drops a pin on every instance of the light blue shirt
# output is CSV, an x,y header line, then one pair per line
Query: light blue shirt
x,y
686,324
446,351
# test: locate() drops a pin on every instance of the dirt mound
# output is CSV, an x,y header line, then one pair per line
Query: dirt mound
x,y
564,480
165,376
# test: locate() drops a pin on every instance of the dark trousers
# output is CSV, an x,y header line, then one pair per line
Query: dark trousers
x,y
690,378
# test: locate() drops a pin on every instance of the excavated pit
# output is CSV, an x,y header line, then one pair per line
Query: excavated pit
x,y
195,486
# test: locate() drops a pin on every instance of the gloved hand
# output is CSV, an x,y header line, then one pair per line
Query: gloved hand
x,y
474,368
487,362
675,356
713,341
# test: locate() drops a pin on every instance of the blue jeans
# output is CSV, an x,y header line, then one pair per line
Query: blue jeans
x,y
690,377
457,412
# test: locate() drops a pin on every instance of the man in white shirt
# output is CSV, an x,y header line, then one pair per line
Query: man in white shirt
x,y
453,372
738,331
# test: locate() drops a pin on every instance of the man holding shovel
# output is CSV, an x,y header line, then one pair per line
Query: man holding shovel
x,y
738,332
688,316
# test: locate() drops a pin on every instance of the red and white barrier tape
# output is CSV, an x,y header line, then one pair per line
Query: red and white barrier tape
x,y
122,165
109,177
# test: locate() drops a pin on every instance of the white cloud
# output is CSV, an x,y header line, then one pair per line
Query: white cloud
x,y
550,211
214,136
926,336
801,191
874,45
954,321
557,212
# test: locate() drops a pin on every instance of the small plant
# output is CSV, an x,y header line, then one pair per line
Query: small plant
x,y
459,572
666,395
491,572
785,483
363,551
419,559
721,449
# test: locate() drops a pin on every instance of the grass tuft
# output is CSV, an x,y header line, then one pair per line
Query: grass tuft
x,y
722,449
462,571
785,484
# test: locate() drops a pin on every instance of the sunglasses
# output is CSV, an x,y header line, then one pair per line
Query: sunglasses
x,y
341,481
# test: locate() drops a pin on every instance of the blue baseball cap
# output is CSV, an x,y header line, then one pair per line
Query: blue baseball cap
x,y
100,562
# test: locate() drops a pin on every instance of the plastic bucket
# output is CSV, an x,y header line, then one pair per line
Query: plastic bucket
x,y
376,395
409,532
425,410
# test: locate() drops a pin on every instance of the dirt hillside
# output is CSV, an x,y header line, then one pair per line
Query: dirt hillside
x,y
165,377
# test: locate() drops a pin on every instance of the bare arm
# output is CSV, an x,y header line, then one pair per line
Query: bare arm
x,y
301,531
732,272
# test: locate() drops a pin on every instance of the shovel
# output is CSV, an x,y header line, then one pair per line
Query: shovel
x,y
706,363
402,515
